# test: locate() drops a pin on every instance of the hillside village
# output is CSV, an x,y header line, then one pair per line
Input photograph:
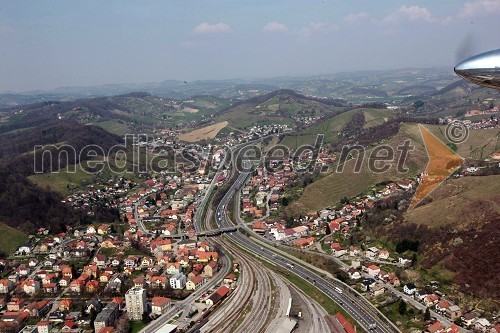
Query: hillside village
x,y
88,278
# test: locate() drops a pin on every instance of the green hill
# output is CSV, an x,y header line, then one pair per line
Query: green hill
x,y
330,189
278,107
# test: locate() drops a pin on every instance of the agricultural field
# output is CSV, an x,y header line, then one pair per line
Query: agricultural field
x,y
480,143
204,133
442,163
375,117
330,189
456,202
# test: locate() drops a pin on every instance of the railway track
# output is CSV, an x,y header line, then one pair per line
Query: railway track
x,y
225,317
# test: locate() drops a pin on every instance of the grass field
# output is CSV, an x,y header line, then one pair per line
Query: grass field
x,y
328,190
331,127
11,239
66,181
468,201
115,127
204,133
375,117
63,181
480,144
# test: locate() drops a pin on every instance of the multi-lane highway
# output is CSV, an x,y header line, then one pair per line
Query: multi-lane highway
x,y
367,316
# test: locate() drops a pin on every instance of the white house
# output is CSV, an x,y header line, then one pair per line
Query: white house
x,y
409,288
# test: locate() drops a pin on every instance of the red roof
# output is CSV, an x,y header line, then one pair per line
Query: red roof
x,y
345,324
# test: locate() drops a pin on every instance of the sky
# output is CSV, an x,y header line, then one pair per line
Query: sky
x,y
56,43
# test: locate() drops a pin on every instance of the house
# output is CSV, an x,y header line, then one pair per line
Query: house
x,y
24,250
354,251
103,229
354,274
436,327
304,242
373,270
409,289
442,306
173,268
230,279
421,294
100,260
195,282
454,329
453,312
6,286
104,278
70,327
106,329
209,270
368,283
431,300
67,272
43,327
50,288
160,305
337,250
76,286
178,281
33,262
31,287
482,325
469,318
15,304
106,317
371,253
65,305
64,282
159,282
404,262
383,255
92,286
377,290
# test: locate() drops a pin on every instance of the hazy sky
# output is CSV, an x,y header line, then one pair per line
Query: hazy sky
x,y
48,44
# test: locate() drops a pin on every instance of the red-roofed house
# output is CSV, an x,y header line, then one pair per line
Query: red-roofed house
x,y
160,305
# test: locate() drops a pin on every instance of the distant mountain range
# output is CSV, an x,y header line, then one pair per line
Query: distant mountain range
x,y
348,85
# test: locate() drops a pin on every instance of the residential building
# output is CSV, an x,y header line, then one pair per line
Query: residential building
x,y
106,317
135,300
159,305
178,281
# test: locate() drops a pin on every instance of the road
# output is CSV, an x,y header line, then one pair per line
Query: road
x,y
367,316
186,303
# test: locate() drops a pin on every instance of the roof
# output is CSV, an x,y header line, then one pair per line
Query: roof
x,y
437,326
160,301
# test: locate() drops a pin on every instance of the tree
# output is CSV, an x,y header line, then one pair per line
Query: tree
x,y
427,314
418,104
328,231
402,307
284,201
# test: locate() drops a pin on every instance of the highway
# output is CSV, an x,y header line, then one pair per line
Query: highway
x,y
367,316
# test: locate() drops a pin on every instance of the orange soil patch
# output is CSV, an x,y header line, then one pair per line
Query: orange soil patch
x,y
204,133
442,163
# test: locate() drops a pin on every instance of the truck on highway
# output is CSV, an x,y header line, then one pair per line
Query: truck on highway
x,y
337,289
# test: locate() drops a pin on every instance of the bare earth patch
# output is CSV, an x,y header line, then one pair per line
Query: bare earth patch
x,y
204,133
190,110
